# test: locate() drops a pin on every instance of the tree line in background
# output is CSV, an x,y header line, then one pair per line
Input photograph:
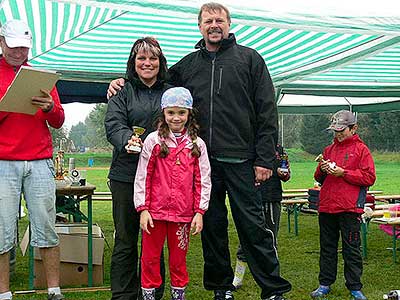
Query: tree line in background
x,y
89,134
380,131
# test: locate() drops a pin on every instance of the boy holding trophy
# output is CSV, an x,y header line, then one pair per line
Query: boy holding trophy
x,y
345,170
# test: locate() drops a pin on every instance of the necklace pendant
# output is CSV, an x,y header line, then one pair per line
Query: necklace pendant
x,y
178,162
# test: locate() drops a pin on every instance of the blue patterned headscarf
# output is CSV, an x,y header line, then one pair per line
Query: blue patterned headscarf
x,y
177,96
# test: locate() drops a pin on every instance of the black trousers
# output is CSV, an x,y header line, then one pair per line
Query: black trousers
x,y
125,278
257,241
272,211
346,225
272,215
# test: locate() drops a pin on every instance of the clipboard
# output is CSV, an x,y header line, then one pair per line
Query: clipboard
x,y
27,83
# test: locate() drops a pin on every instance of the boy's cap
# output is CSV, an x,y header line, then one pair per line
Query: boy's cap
x,y
16,34
341,120
177,96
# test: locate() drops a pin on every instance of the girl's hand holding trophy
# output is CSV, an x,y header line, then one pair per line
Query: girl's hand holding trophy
x,y
135,143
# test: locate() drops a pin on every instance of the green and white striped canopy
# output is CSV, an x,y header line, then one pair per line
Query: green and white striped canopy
x,y
306,54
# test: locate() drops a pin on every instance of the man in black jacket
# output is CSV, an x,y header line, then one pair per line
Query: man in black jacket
x,y
234,94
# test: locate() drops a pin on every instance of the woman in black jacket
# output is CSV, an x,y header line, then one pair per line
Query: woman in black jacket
x,y
137,104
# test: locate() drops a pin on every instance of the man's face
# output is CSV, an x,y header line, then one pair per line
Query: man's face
x,y
214,26
14,56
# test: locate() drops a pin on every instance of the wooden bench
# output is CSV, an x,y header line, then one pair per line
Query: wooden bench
x,y
388,198
383,206
293,206
102,196
375,192
287,191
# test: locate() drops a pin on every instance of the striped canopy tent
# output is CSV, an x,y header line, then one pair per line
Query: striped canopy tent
x,y
340,58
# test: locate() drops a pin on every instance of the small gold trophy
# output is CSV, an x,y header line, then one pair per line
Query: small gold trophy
x,y
136,147
320,158
59,165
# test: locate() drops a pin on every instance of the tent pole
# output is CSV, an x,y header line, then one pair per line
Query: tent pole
x,y
350,106
282,130
278,97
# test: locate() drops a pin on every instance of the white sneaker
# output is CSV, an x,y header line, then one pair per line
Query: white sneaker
x,y
240,269
22,211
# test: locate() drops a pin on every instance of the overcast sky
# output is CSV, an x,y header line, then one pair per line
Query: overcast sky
x,y
75,113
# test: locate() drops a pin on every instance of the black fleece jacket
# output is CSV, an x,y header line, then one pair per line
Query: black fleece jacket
x,y
234,94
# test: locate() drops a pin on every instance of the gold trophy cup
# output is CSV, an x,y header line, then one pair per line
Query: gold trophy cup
x,y
136,147
320,158
59,165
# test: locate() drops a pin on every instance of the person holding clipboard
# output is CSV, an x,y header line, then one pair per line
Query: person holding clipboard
x,y
26,164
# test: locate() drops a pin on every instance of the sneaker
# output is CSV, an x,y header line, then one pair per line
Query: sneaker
x,y
240,269
358,295
276,297
7,295
55,297
228,295
321,291
223,295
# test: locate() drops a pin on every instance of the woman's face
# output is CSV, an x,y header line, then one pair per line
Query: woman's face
x,y
147,66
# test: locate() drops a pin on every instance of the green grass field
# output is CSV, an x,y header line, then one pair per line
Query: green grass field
x,y
298,255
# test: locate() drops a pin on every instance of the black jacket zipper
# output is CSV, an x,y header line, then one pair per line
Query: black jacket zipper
x,y
211,99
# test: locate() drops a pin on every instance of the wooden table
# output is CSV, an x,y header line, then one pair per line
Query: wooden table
x,y
79,193
288,196
295,190
377,213
293,206
395,223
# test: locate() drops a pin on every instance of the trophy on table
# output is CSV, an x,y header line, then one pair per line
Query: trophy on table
x,y
136,147
59,165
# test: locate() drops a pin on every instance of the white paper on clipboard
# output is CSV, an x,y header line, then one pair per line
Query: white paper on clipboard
x,y
27,83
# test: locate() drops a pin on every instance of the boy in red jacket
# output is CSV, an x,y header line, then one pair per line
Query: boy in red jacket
x,y
345,172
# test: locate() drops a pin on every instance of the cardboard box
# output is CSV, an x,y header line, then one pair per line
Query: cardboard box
x,y
70,274
73,256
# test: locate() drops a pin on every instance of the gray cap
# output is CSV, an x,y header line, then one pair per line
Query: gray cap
x,y
342,119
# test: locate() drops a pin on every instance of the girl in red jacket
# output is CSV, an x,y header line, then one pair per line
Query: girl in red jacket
x,y
172,191
346,171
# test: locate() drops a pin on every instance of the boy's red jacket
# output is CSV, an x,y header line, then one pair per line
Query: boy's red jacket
x,y
347,193
176,187
23,136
